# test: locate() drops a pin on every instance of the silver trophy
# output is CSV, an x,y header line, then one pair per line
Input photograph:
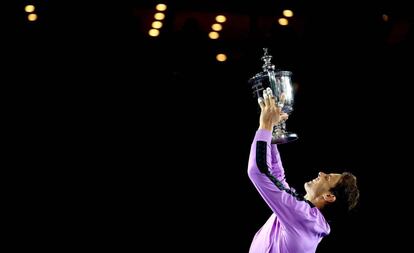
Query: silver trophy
x,y
281,83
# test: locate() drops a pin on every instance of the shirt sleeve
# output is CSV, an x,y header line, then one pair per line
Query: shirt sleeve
x,y
292,210
276,167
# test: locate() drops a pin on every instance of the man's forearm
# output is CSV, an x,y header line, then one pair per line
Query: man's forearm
x,y
266,126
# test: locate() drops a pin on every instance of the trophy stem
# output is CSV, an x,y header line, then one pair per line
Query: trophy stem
x,y
280,135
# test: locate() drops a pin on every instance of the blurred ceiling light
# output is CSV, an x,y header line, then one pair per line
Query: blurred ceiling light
x,y
154,32
161,7
216,27
159,16
283,21
288,13
221,57
157,24
213,35
221,18
29,8
32,17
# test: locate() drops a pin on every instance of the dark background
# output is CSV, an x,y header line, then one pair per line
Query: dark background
x,y
143,142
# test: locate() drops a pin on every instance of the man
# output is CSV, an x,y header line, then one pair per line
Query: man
x,y
297,224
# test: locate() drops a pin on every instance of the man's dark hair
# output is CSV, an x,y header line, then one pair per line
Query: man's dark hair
x,y
347,196
346,190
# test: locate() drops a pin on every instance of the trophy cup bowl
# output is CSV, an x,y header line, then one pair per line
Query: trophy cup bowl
x,y
281,83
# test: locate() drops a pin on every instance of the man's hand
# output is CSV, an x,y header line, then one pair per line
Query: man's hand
x,y
271,114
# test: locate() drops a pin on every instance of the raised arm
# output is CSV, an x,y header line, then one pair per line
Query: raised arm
x,y
265,171
270,116
265,157
291,208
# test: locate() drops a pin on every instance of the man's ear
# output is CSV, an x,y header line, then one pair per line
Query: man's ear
x,y
329,197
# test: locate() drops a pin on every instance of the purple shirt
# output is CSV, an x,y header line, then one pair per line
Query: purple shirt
x,y
295,226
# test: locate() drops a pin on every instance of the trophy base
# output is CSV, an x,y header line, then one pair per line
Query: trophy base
x,y
284,138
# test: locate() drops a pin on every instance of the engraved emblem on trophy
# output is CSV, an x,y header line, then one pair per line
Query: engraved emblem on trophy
x,y
281,83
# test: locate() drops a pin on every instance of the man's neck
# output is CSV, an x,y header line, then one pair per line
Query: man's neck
x,y
318,202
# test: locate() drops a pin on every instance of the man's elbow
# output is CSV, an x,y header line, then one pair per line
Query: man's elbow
x,y
253,171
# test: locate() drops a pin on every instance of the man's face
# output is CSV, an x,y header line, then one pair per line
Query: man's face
x,y
322,184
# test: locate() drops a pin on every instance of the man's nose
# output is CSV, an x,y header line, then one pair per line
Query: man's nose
x,y
321,174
